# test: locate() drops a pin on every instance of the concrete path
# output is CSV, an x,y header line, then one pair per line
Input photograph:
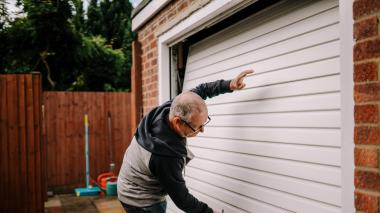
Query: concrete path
x,y
69,203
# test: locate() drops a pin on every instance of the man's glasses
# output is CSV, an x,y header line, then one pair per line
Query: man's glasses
x,y
197,130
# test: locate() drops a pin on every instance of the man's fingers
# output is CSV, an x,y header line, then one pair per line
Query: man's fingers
x,y
238,83
245,73
241,86
240,80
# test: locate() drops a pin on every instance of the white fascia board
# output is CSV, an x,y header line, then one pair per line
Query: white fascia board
x,y
195,21
347,104
148,12
199,19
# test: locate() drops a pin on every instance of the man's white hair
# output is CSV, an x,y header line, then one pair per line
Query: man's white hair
x,y
186,104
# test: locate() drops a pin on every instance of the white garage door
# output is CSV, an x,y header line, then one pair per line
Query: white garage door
x,y
274,146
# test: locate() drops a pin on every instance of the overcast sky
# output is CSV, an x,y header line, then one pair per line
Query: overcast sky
x,y
135,2
12,7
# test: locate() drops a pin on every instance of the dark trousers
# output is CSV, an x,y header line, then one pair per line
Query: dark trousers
x,y
156,208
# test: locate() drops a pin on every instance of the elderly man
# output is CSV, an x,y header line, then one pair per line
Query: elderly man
x,y
154,161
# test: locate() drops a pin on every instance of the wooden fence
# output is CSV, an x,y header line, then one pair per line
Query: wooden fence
x,y
65,134
22,151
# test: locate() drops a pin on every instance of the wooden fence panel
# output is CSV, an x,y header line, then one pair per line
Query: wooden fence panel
x,y
13,143
32,143
121,125
65,135
41,186
4,184
21,165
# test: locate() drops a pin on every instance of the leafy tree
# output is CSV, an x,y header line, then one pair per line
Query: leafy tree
x,y
56,40
117,31
94,57
3,13
94,19
129,36
70,52
18,49
78,19
3,20
116,15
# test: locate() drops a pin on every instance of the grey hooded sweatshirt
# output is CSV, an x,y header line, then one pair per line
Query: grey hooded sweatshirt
x,y
153,163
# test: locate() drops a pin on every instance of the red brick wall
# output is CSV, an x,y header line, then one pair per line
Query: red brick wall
x,y
367,99
147,36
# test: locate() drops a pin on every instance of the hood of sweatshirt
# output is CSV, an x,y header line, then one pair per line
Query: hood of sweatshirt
x,y
155,134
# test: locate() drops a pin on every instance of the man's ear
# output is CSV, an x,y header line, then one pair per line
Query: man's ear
x,y
177,121
176,125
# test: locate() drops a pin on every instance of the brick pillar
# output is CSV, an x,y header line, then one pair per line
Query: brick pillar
x,y
367,99
136,99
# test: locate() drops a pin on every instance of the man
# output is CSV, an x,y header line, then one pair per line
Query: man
x,y
154,161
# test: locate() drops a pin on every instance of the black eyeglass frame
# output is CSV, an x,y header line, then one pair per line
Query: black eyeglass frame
x,y
202,126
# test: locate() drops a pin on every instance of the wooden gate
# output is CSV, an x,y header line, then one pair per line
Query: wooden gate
x,y
22,150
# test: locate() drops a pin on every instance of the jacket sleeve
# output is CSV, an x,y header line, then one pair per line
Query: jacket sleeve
x,y
211,89
168,170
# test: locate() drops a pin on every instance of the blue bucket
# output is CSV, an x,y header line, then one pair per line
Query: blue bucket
x,y
111,188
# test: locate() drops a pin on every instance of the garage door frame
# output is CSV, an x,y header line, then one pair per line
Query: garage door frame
x,y
210,13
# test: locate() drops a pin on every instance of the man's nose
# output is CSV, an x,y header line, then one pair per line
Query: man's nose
x,y
202,129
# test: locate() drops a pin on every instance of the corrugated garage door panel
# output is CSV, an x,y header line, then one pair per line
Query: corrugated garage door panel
x,y
276,145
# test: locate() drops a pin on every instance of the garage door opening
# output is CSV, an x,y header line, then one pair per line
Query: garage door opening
x,y
179,51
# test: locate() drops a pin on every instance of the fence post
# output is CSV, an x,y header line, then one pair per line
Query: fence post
x,y
136,99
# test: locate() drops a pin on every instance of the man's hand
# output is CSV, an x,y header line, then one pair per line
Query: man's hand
x,y
237,83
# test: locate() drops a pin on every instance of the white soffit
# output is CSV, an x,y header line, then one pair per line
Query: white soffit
x,y
147,12
202,18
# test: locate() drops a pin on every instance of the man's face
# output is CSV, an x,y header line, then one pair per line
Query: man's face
x,y
196,125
